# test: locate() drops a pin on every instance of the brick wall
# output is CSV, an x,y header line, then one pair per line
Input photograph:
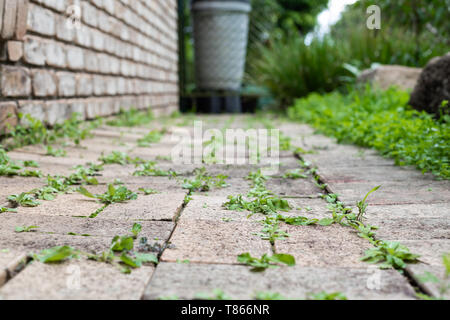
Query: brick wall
x,y
119,54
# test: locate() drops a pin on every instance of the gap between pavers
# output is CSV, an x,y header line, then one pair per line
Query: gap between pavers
x,y
317,246
185,281
435,289
11,261
76,280
430,251
205,241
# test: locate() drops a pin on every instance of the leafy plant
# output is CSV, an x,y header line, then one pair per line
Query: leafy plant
x,y
132,118
390,255
149,169
362,205
23,200
112,195
3,210
153,136
116,157
25,229
204,182
148,192
57,254
217,294
269,296
327,296
55,152
261,264
295,174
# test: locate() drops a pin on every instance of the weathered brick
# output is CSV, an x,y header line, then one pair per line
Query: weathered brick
x,y
41,20
9,19
78,106
34,108
91,61
15,81
56,111
63,31
34,51
22,19
55,54
84,85
15,50
66,84
99,85
44,83
8,115
75,58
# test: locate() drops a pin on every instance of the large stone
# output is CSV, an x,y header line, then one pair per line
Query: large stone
x,y
9,19
385,76
186,281
433,87
44,83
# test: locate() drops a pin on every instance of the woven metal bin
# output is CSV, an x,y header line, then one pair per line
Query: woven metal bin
x,y
220,37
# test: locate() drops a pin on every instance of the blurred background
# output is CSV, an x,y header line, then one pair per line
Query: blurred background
x,y
296,47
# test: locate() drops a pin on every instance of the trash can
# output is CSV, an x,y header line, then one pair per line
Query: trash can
x,y
220,42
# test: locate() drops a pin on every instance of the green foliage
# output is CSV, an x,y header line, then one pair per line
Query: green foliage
x,y
153,136
217,294
116,157
3,210
35,132
390,255
25,229
269,296
57,153
204,182
261,264
362,205
380,120
120,254
11,168
149,169
132,118
56,254
112,195
290,69
327,296
23,200
295,174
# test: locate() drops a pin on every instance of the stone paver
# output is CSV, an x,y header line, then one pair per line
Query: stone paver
x,y
77,280
188,280
205,241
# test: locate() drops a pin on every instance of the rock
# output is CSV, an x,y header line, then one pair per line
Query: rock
x,y
433,87
385,76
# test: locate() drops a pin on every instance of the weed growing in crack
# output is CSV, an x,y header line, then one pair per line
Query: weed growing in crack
x,y
261,264
112,195
271,231
149,168
154,136
3,210
23,200
203,182
25,229
362,205
11,168
295,174
326,296
118,157
442,285
120,254
132,118
217,294
35,132
390,254
57,153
